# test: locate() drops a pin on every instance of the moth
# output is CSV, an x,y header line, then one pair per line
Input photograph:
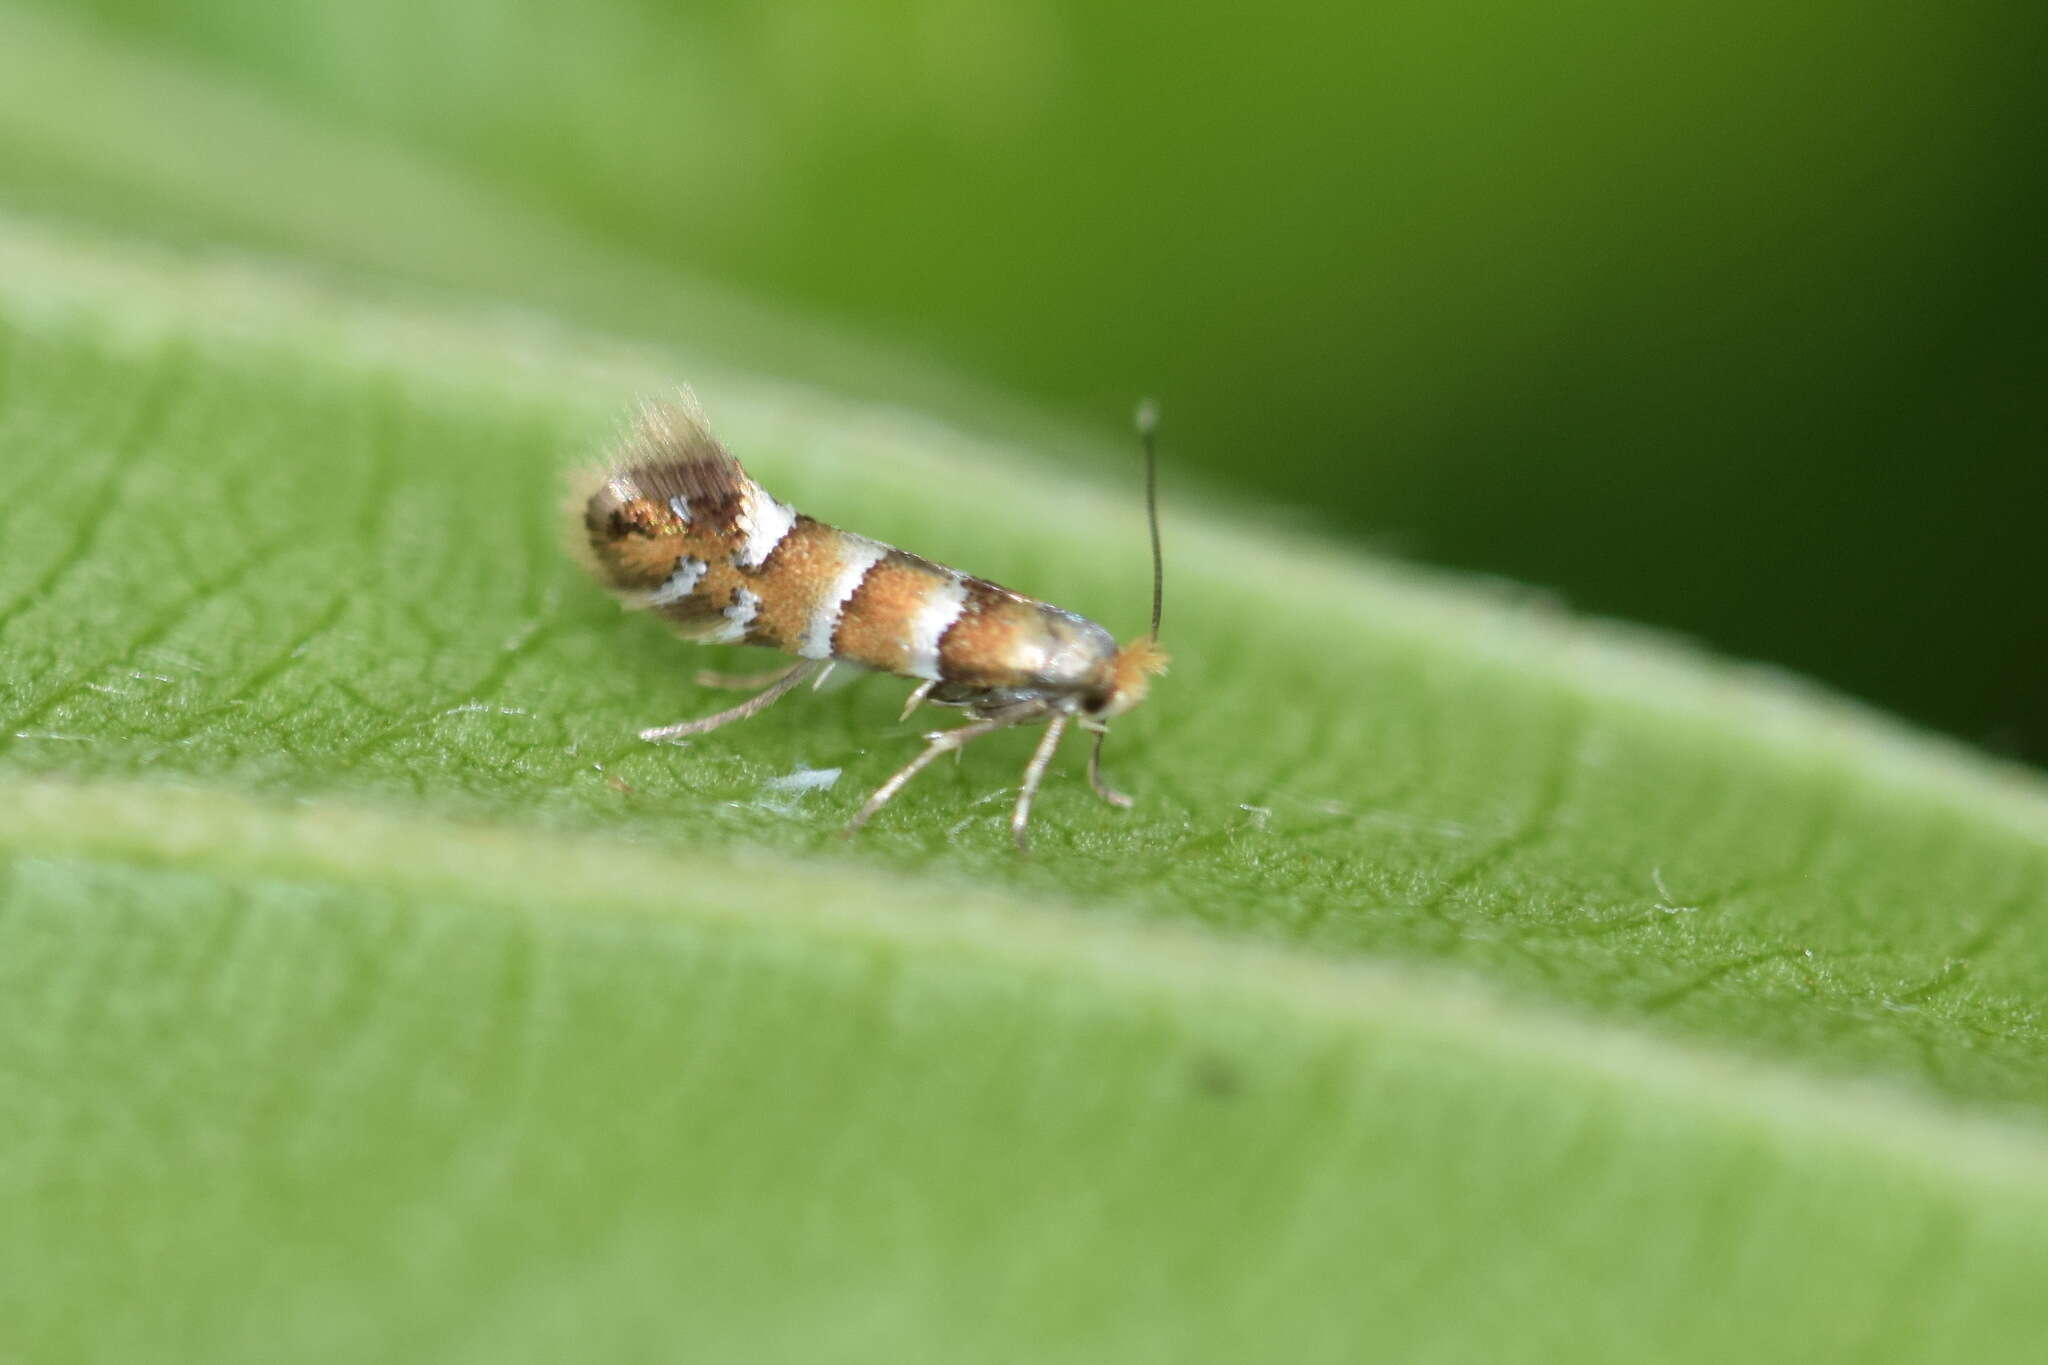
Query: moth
x,y
675,526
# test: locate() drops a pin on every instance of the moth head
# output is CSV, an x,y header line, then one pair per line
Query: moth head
x,y
1131,672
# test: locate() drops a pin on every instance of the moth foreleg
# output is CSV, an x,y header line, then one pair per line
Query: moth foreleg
x,y
1103,789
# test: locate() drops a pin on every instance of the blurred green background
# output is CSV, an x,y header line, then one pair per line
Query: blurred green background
x,y
1723,317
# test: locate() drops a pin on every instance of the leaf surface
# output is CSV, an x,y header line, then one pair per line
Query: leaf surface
x,y
1472,981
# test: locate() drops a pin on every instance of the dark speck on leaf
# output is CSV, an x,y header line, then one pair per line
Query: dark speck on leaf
x,y
1215,1077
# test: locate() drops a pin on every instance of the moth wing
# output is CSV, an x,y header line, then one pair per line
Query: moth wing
x,y
671,453
667,494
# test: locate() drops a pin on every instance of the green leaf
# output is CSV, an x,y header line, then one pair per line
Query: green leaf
x,y
1472,981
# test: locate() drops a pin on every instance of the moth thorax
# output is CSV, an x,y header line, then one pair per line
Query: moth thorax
x,y
1034,648
1069,653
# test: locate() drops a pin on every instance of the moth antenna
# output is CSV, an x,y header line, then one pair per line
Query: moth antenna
x,y
1148,434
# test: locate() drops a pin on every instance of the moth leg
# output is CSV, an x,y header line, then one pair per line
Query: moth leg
x,y
1103,789
744,682
916,698
785,682
944,741
1034,773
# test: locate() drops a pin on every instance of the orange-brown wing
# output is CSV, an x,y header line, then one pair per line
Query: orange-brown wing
x,y
670,497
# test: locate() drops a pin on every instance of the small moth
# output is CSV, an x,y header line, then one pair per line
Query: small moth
x,y
676,527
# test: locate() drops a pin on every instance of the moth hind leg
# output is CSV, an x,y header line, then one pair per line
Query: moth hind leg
x,y
785,681
742,682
